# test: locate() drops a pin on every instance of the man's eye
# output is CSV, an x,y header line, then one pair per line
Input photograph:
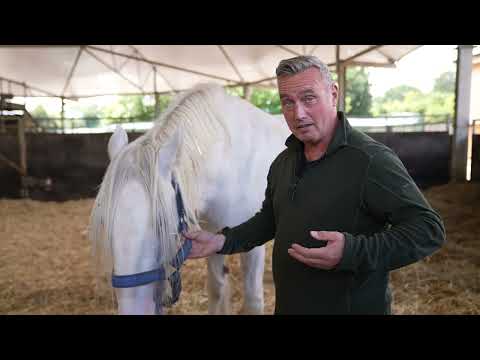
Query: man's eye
x,y
309,99
287,103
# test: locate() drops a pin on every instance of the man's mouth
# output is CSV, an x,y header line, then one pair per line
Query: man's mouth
x,y
303,126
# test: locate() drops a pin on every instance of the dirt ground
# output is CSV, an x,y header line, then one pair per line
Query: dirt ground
x,y
45,263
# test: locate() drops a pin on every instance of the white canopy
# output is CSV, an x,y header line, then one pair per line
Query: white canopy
x,y
93,70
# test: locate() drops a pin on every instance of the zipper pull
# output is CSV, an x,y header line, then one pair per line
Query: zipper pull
x,y
294,189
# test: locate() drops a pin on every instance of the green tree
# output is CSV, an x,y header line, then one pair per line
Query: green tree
x,y
43,118
267,100
135,108
402,98
437,105
400,92
358,100
163,102
91,115
263,98
235,91
445,83
39,112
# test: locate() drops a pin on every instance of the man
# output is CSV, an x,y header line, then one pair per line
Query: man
x,y
352,194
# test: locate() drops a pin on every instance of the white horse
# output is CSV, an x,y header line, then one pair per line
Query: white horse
x,y
207,156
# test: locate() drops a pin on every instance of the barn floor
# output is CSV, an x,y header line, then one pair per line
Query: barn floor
x,y
45,264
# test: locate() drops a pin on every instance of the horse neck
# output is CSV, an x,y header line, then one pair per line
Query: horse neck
x,y
238,164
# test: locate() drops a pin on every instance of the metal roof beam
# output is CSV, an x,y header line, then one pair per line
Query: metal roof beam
x,y
111,68
224,52
163,64
289,50
313,49
371,64
48,93
389,58
67,83
363,52
155,70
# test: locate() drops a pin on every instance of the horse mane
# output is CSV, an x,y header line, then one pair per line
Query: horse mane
x,y
193,118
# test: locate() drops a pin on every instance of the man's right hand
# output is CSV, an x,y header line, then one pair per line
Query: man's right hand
x,y
204,243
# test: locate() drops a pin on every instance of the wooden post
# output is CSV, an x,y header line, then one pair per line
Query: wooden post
x,y
157,105
157,102
341,78
62,116
2,121
247,92
22,145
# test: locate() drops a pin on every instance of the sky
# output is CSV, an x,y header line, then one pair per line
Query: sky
x,y
420,68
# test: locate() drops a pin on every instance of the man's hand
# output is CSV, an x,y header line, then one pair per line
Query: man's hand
x,y
322,258
204,243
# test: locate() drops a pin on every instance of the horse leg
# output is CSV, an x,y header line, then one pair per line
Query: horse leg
x,y
253,264
218,286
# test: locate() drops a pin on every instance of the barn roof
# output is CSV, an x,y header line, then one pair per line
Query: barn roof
x,y
93,70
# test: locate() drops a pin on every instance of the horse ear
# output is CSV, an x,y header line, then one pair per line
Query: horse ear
x,y
168,154
117,141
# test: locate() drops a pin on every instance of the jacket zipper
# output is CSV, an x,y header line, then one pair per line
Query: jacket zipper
x,y
294,187
298,169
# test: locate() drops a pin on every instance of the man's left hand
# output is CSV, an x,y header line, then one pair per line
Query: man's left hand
x,y
322,258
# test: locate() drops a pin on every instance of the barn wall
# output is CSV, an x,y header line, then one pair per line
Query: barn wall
x,y
77,162
426,155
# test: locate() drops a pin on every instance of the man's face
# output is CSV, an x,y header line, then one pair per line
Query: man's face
x,y
308,105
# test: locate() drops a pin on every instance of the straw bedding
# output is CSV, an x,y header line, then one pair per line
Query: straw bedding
x,y
45,263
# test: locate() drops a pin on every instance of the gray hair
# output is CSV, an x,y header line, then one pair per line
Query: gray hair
x,y
298,64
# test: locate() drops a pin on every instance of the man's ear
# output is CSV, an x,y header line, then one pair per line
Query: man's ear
x,y
117,141
334,91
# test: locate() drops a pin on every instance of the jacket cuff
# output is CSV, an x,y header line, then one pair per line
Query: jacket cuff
x,y
346,263
226,246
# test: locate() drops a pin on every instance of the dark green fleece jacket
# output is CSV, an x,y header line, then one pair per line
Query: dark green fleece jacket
x,y
359,188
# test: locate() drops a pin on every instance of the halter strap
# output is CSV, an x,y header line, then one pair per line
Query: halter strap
x,y
147,277
182,218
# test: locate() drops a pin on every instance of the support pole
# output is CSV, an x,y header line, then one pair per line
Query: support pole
x,y
157,105
459,148
22,145
3,129
62,115
341,75
247,92
157,102
2,123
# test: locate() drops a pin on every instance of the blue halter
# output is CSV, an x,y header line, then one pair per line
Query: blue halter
x,y
127,281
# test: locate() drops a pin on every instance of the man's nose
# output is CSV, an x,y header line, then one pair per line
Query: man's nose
x,y
299,111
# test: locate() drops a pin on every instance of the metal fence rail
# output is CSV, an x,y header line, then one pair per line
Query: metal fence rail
x,y
441,123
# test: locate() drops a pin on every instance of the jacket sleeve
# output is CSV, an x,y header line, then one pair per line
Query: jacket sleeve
x,y
414,230
254,232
